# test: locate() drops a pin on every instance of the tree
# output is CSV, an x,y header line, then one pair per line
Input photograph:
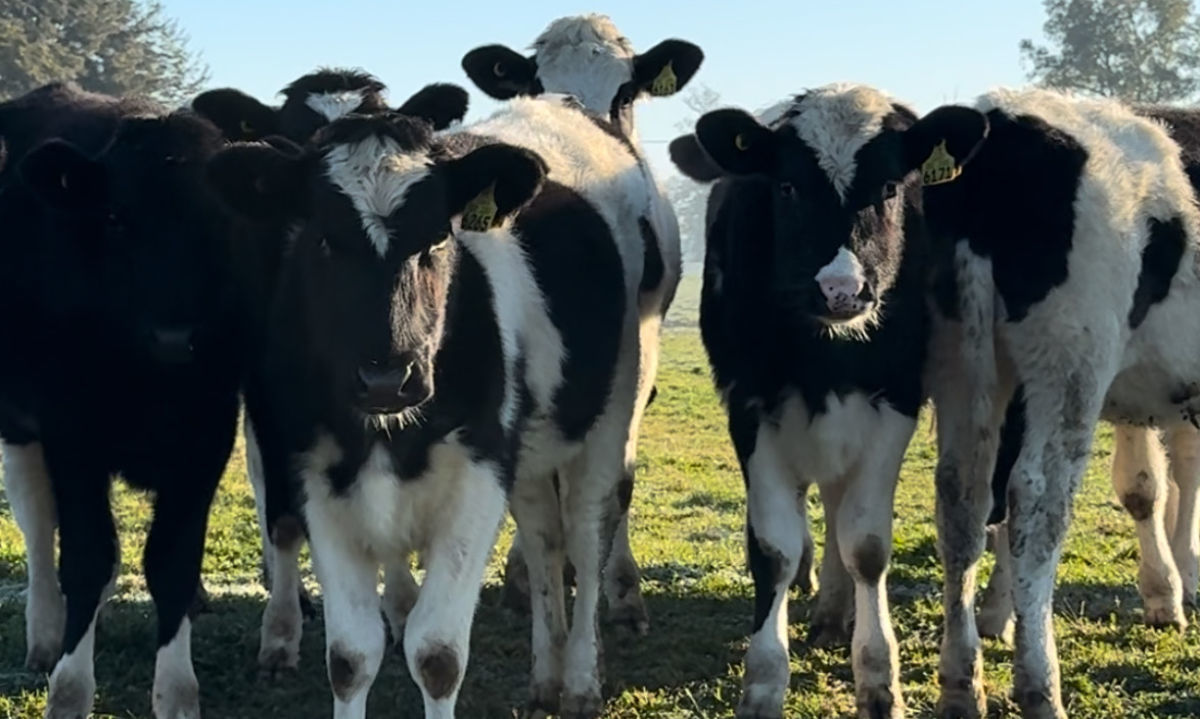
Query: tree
x,y
690,198
119,47
1133,50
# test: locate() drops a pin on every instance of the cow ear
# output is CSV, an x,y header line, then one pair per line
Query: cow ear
x,y
440,104
63,176
944,141
737,143
500,72
691,159
667,67
237,115
262,181
492,183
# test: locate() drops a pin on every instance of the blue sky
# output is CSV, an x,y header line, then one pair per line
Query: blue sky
x,y
924,52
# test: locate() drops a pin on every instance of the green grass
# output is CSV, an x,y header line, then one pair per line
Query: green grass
x,y
687,533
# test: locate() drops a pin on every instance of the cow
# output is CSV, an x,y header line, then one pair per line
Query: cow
x,y
435,347
815,318
1085,299
316,99
588,58
127,253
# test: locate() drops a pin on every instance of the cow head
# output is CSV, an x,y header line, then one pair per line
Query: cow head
x,y
138,228
586,56
318,98
840,167
377,203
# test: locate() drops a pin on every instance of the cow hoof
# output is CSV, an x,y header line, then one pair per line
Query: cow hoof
x,y
41,658
761,701
1166,615
631,614
582,706
880,703
544,700
961,705
996,625
826,635
274,662
1039,704
70,699
183,702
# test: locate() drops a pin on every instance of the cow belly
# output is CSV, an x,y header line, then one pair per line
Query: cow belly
x,y
825,448
1149,396
380,512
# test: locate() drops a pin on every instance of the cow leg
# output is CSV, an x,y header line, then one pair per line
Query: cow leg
x,y
516,593
1183,446
997,617
400,591
865,541
1063,409
174,550
438,632
535,505
806,576
32,500
775,532
88,553
256,473
831,618
1139,477
354,631
283,617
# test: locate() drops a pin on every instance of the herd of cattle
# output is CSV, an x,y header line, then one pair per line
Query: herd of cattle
x,y
429,324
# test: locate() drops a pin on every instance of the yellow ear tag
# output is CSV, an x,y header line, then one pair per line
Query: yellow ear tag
x,y
940,168
666,83
480,213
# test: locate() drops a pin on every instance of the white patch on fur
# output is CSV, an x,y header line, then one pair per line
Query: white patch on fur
x,y
176,693
376,175
332,105
835,121
73,681
586,57
31,496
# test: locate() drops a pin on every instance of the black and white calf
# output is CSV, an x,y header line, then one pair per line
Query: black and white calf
x,y
815,319
318,98
116,245
1070,244
588,58
436,344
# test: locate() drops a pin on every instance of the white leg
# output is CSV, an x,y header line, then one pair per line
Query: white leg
x,y
535,504
354,632
257,476
400,592
27,483
438,633
1183,443
806,575
865,541
1139,477
283,620
775,536
176,693
830,625
997,617
73,681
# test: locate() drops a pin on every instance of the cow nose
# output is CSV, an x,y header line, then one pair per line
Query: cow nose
x,y
841,289
173,345
388,389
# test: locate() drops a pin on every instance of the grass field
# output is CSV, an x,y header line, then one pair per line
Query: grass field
x,y
687,533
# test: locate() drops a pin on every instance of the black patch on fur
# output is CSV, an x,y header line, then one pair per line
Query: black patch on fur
x,y
1160,262
766,567
1139,506
440,670
653,267
345,671
1012,436
871,558
625,491
287,532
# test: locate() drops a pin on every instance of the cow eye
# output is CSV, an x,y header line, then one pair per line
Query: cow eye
x,y
890,190
787,189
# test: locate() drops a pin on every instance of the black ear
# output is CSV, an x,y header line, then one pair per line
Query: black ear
x,y
440,104
492,183
500,72
237,115
962,130
667,67
737,143
262,181
63,176
691,159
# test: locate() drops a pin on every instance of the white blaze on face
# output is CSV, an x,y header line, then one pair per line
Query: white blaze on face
x,y
332,105
841,281
376,175
587,57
